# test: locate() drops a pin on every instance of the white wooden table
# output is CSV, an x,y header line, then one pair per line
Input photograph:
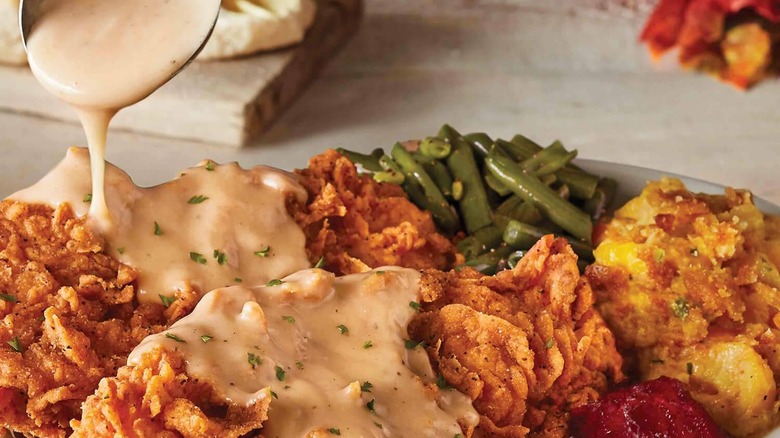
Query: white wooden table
x,y
569,69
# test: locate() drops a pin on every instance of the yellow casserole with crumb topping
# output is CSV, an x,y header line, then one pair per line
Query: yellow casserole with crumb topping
x,y
689,283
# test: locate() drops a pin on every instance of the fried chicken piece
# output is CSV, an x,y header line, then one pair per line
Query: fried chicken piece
x,y
68,317
171,404
525,344
358,224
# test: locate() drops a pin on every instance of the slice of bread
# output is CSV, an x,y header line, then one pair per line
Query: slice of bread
x,y
11,48
245,27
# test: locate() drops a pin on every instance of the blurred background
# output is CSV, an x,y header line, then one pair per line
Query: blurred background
x,y
572,70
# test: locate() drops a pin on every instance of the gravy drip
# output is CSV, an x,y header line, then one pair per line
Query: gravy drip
x,y
103,55
311,342
208,210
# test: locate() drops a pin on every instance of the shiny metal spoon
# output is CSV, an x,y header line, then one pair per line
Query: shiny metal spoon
x,y
31,10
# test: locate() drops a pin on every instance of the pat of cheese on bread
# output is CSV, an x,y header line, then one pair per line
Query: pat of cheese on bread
x,y
11,48
249,26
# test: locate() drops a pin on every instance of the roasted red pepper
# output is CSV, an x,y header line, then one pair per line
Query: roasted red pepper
x,y
660,408
735,40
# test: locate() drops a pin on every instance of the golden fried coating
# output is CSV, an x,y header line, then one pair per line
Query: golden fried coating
x,y
358,224
690,286
157,398
525,345
68,317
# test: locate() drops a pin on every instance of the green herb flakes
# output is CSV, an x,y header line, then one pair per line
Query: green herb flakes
x,y
274,282
280,374
167,301
265,252
411,345
320,263
220,256
689,368
288,318
197,199
197,257
549,344
87,197
368,344
343,329
174,337
414,305
157,230
442,383
370,405
254,360
206,338
334,431
210,166
9,298
366,386
680,308
15,344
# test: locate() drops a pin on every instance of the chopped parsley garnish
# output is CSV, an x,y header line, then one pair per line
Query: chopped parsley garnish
x,y
379,272
368,344
14,343
280,374
175,338
220,256
334,431
121,250
265,252
273,394
288,318
689,367
299,365
274,282
414,305
197,199
88,197
411,345
206,338
167,301
238,280
343,329
441,383
658,255
366,386
549,344
209,165
198,257
680,307
9,298
157,230
320,263
370,405
254,360
379,425
458,435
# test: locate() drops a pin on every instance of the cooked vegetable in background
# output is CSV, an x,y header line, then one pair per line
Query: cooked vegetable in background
x,y
495,197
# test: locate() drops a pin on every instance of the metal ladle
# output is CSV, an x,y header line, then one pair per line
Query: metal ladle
x,y
31,10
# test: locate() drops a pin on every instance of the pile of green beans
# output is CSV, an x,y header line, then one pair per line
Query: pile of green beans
x,y
496,198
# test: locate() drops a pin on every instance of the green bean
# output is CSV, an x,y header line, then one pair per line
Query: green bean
x,y
563,191
481,241
581,184
553,152
531,189
435,147
369,163
496,185
480,142
422,159
474,206
526,145
548,180
556,163
522,236
489,262
515,208
598,204
433,200
441,176
513,258
584,250
515,152
387,164
389,177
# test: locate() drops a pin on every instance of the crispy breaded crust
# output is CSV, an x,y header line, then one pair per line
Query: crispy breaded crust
x,y
156,398
525,344
357,223
72,309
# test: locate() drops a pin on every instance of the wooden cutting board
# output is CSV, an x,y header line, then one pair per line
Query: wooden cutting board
x,y
227,102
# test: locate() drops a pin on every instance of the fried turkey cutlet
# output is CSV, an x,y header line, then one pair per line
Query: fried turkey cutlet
x,y
524,346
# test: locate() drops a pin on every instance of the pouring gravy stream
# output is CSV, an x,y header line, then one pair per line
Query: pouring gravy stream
x,y
100,56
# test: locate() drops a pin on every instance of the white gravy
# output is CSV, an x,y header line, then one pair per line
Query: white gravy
x,y
311,342
103,55
245,212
